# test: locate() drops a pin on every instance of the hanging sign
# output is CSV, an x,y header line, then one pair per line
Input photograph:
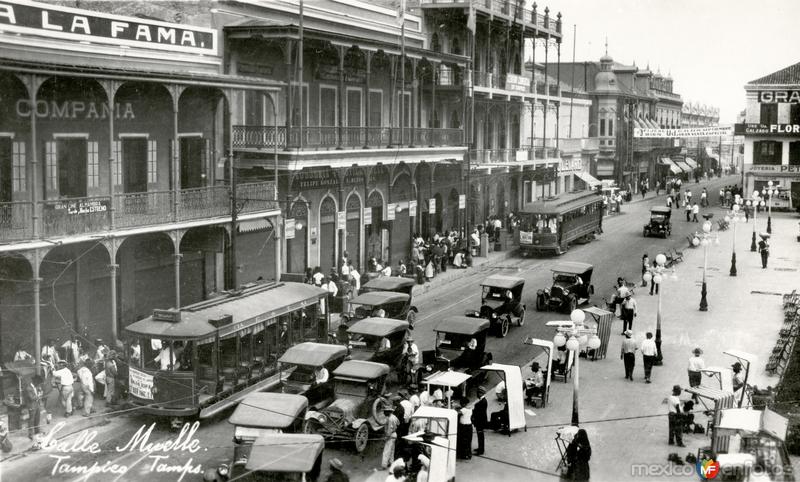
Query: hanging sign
x,y
412,208
462,201
367,216
432,206
140,384
289,228
341,219
390,211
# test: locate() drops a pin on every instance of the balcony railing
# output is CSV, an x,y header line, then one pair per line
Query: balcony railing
x,y
78,216
323,138
511,8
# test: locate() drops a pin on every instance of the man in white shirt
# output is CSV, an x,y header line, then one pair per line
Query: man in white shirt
x,y
318,277
72,350
355,279
649,353
65,388
412,351
384,344
386,271
167,359
136,352
534,384
330,285
49,356
87,389
674,417
695,365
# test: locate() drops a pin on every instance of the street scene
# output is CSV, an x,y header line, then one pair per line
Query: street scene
x,y
398,240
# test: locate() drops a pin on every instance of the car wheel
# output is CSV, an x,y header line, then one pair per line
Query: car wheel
x,y
521,319
540,303
573,304
503,328
312,426
361,437
411,317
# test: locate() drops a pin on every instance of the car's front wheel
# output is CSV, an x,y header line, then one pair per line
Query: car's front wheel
x,y
541,304
503,329
361,437
573,304
521,319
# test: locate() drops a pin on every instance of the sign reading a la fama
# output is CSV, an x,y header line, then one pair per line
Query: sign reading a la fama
x,y
64,23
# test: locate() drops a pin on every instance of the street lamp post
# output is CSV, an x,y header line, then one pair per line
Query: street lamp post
x,y
707,237
768,193
656,274
734,217
574,335
756,203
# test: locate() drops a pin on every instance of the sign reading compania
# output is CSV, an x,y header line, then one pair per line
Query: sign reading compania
x,y
690,132
64,23
779,96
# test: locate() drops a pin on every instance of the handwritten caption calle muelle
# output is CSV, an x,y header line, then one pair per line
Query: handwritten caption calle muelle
x,y
154,460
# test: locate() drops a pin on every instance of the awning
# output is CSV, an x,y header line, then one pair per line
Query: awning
x,y
587,178
254,225
690,162
673,168
685,167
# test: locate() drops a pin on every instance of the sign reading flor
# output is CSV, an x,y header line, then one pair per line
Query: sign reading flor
x,y
769,129
691,132
66,23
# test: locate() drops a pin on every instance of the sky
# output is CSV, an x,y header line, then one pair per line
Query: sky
x,y
711,48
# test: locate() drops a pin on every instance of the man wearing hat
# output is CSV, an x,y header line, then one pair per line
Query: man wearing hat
x,y
628,354
480,418
763,249
674,417
534,383
87,387
111,377
101,351
695,367
390,435
337,471
737,379
64,380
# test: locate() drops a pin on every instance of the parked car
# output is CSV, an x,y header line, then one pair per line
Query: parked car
x,y
571,287
366,336
397,285
659,223
299,364
394,305
275,457
358,406
501,303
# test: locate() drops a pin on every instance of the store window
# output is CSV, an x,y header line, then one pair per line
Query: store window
x,y
328,107
767,152
375,108
66,166
794,153
602,127
769,113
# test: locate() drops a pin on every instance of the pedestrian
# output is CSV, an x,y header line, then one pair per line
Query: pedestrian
x,y
389,435
579,452
424,469
628,311
628,354
669,202
688,209
645,268
480,418
534,384
337,473
72,350
696,364
464,440
704,198
722,197
763,249
101,350
695,212
658,187
21,354
397,475
49,356
63,380
86,378
747,209
31,400
674,418
317,276
111,377
649,354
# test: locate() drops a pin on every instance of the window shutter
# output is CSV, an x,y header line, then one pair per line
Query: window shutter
x,y
152,162
18,165
51,163
92,165
116,163
206,159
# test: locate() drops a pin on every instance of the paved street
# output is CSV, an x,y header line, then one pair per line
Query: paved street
x,y
605,394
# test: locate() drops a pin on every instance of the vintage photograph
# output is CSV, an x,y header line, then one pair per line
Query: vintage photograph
x,y
399,240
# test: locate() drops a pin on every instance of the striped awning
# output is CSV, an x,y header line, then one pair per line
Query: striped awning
x,y
666,161
716,400
590,180
690,162
253,225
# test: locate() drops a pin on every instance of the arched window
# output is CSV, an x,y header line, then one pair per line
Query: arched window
x,y
435,45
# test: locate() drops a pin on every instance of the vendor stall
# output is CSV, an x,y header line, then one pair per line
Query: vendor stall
x,y
13,375
714,400
545,359
757,437
512,377
452,382
603,319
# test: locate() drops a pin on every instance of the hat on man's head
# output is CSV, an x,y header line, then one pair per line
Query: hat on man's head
x,y
697,351
98,340
737,366
535,366
336,463
62,363
481,391
676,389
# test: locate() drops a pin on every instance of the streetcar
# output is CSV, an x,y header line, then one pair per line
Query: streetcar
x,y
206,357
549,225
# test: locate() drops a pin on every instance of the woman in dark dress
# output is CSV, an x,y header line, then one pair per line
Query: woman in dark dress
x,y
578,454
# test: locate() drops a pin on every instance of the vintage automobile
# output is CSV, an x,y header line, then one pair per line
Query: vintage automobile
x,y
396,284
298,367
501,303
259,415
453,353
571,287
358,405
275,457
365,340
394,305
659,224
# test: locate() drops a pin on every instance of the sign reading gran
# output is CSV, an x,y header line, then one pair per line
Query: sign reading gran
x,y
64,23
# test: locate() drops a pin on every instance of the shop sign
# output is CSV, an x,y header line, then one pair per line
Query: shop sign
x,y
412,208
315,179
288,228
72,24
571,165
74,109
390,208
767,129
779,96
140,384
254,70
689,132
75,208
341,220
367,216
773,168
462,201
354,177
432,206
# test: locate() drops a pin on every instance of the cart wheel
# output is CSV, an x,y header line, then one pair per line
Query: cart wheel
x,y
503,328
312,426
540,304
521,319
361,437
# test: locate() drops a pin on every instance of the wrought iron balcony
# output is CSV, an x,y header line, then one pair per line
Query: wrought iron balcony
x,y
79,216
515,9
324,138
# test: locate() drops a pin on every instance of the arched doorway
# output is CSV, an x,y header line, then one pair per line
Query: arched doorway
x,y
297,247
452,219
146,278
401,226
500,208
374,230
439,214
352,242
327,234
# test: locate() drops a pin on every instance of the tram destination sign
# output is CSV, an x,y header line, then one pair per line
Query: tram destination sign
x,y
65,23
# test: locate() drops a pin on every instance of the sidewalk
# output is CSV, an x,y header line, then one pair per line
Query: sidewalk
x,y
626,420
